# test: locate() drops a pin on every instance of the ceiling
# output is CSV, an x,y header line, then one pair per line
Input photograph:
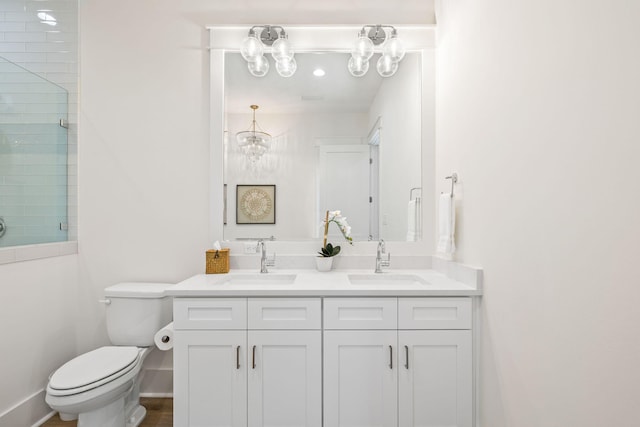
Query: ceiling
x,y
310,12
336,91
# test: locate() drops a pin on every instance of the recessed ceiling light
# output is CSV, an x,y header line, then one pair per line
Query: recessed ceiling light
x,y
318,72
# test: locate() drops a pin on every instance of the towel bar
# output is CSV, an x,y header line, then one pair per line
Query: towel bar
x,y
412,190
454,179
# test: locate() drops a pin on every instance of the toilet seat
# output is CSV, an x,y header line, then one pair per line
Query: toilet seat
x,y
93,369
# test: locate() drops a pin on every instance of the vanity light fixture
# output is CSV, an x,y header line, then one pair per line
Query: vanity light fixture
x,y
369,37
253,143
253,48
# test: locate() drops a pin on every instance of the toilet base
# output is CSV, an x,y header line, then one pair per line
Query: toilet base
x,y
134,411
136,417
67,417
111,415
116,414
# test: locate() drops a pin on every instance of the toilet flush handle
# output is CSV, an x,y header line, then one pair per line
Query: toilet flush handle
x,y
105,301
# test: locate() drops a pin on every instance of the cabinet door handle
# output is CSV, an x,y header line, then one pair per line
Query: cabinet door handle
x,y
238,357
390,357
253,357
406,357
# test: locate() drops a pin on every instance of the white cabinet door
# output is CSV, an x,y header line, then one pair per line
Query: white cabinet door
x,y
285,378
435,378
210,378
360,378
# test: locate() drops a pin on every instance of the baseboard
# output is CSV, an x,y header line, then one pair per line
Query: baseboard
x,y
44,419
157,383
158,395
32,411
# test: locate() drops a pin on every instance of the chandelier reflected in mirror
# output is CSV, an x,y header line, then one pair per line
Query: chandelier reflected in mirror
x,y
254,142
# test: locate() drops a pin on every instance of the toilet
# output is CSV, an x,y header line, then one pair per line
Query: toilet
x,y
101,388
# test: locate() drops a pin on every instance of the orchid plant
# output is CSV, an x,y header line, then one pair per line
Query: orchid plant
x,y
328,250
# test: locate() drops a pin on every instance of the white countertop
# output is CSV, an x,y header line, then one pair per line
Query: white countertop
x,y
307,282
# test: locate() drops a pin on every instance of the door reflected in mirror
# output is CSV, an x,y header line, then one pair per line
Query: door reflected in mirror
x,y
337,143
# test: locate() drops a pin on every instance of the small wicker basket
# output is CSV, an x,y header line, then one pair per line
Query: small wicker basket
x,y
217,261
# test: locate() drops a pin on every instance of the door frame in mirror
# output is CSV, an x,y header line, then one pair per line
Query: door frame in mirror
x,y
323,38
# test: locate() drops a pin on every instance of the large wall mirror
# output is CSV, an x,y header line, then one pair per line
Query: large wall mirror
x,y
338,142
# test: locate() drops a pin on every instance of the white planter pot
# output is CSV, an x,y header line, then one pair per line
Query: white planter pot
x,y
324,263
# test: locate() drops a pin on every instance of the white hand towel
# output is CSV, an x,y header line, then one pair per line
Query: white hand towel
x,y
446,224
414,217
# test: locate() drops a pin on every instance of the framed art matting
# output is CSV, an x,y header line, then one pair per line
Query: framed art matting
x,y
255,204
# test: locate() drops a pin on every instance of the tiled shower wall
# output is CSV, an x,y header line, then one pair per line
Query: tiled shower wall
x,y
46,45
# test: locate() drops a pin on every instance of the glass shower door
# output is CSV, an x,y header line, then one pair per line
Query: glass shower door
x,y
33,158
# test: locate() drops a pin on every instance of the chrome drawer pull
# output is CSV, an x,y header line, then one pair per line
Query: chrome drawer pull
x,y
406,357
253,358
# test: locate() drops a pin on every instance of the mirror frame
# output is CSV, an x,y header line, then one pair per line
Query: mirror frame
x,y
322,38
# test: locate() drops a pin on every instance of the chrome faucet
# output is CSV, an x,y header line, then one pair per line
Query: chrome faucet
x,y
264,259
380,262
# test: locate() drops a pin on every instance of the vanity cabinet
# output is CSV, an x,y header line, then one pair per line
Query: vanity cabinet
x,y
360,362
406,367
332,361
435,375
210,378
262,368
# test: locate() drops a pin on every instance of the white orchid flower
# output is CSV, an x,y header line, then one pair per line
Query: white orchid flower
x,y
341,222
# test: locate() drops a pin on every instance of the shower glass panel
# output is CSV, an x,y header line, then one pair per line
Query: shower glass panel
x,y
33,158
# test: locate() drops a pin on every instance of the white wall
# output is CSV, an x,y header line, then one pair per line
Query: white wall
x,y
538,113
144,156
38,301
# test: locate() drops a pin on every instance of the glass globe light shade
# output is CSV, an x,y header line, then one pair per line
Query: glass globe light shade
x,y
358,67
251,48
286,68
386,66
362,48
259,67
281,50
394,48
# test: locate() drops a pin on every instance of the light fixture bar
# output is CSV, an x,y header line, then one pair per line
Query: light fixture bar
x,y
268,33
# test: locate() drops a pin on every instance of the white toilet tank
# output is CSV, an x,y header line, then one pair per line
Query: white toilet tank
x,y
136,311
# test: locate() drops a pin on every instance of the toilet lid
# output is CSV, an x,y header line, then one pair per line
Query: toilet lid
x,y
94,366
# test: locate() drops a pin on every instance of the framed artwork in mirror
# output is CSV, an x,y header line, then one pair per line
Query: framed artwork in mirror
x,y
255,204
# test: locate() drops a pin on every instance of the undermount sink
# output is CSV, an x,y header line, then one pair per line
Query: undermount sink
x,y
259,279
386,279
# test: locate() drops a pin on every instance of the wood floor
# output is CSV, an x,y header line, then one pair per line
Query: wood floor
x,y
159,414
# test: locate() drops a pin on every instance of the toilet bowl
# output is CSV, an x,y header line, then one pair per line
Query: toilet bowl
x,y
101,388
